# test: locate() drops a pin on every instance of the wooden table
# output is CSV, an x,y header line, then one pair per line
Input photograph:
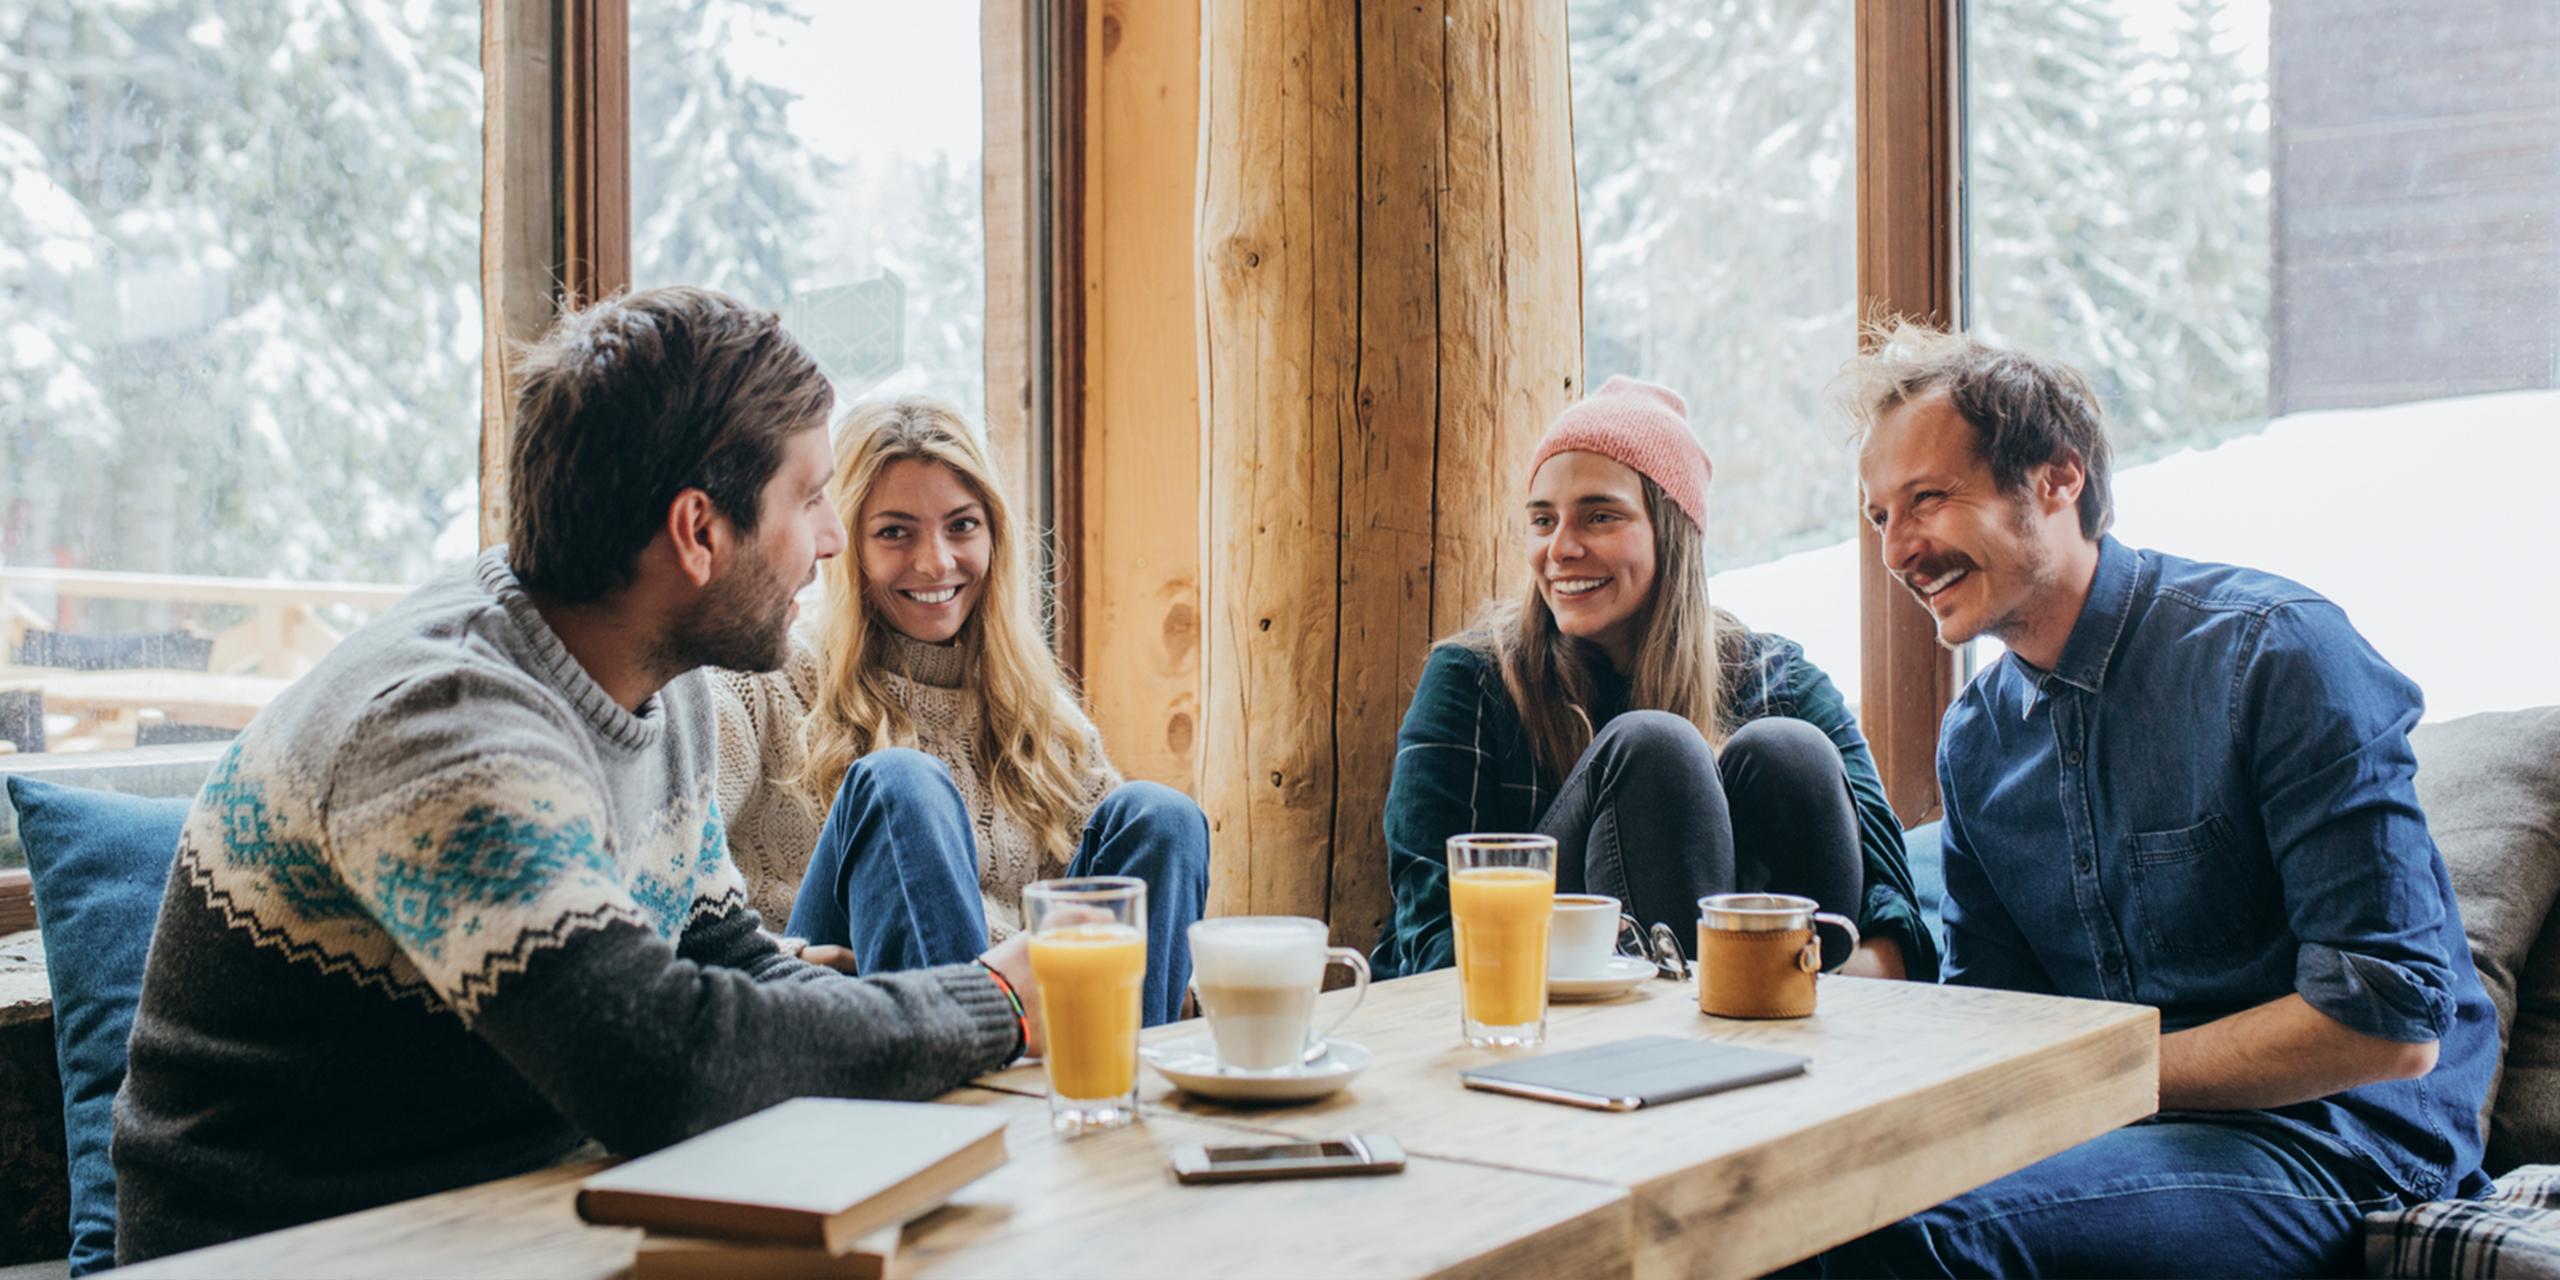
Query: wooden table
x,y
1916,1094
1100,1205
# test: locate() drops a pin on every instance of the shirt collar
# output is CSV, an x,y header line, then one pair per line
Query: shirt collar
x,y
2093,638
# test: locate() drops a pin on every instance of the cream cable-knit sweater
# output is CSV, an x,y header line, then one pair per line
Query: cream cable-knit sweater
x,y
774,822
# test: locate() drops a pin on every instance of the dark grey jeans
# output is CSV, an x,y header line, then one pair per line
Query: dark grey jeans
x,y
1654,818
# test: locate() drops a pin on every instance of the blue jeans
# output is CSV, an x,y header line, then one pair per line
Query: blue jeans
x,y
2234,1193
895,875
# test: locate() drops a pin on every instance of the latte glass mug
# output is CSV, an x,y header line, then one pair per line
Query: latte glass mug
x,y
1758,953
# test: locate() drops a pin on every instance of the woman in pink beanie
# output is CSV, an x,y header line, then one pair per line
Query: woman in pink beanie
x,y
1671,751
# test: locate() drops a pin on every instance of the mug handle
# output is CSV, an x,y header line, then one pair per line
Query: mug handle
x,y
1813,946
1359,966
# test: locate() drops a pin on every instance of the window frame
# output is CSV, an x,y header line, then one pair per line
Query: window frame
x,y
1910,204
555,227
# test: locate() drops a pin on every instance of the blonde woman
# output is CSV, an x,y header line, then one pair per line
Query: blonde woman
x,y
892,789
1671,752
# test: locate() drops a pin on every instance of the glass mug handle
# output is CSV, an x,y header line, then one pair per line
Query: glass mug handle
x,y
1811,960
1359,966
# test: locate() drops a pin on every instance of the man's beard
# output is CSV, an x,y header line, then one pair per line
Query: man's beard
x,y
742,624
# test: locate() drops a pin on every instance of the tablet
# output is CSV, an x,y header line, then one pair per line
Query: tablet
x,y
1623,1075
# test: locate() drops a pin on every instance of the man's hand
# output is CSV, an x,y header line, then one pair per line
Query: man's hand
x,y
839,959
1013,961
1876,958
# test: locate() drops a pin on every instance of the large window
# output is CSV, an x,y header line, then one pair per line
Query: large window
x,y
1715,148
2313,267
822,159
239,248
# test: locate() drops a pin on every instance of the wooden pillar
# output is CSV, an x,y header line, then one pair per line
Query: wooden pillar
x,y
1390,305
1907,267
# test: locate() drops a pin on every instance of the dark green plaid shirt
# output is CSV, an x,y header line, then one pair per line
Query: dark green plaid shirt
x,y
1463,764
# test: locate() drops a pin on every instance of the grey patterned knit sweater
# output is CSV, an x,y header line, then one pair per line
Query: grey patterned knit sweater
x,y
444,912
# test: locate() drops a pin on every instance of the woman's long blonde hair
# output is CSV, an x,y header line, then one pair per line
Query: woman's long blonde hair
x,y
1030,744
1688,652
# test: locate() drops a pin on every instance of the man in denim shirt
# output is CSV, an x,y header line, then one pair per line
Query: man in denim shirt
x,y
2188,786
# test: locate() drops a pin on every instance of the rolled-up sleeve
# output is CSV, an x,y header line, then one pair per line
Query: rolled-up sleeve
x,y
2325,723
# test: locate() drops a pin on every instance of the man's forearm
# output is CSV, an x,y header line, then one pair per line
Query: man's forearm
x,y
2279,1053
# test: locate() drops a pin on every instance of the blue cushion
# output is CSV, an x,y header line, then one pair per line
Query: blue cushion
x,y
1928,875
99,861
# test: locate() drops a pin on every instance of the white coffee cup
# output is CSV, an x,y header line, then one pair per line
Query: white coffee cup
x,y
1585,935
1257,978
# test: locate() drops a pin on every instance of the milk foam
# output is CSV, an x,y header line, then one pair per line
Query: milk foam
x,y
1247,954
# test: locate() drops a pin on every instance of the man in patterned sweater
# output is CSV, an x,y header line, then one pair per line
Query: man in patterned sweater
x,y
459,901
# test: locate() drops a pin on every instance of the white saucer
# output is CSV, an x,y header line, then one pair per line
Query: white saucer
x,y
1623,974
1192,1064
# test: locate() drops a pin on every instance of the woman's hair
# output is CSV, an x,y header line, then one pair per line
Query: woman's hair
x,y
1030,746
1687,651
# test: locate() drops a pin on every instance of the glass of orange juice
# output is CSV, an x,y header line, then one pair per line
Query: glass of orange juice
x,y
1089,956
1502,892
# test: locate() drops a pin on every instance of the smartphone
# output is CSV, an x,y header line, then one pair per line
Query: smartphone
x,y
1333,1157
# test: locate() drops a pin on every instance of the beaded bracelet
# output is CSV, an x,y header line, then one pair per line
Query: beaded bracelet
x,y
1021,1019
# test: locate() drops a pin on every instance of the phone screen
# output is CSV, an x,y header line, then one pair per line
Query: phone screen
x,y
1287,1151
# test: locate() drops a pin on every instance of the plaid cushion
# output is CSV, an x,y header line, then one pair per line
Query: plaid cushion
x,y
2513,1231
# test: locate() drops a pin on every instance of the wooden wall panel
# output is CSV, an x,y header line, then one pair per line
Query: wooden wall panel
x,y
1141,478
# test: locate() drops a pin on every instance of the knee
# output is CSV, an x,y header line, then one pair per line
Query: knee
x,y
1651,733
1648,742
897,771
1782,747
1167,819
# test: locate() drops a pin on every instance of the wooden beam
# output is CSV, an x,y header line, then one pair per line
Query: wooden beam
x,y
1063,87
595,126
1907,220
520,175
1390,313
1004,61
1140,605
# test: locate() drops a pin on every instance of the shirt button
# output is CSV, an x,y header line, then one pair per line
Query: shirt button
x,y
2084,866
2072,758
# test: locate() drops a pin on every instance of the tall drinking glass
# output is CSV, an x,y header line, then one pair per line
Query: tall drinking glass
x,y
1502,892
1089,955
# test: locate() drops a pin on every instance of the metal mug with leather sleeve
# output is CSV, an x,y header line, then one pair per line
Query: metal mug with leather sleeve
x,y
1760,953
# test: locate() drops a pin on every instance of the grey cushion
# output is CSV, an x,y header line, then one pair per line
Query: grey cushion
x,y
2491,787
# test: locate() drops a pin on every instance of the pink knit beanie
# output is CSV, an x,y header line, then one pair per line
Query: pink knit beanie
x,y
1643,426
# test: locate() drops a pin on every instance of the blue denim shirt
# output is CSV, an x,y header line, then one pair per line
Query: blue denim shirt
x,y
2207,805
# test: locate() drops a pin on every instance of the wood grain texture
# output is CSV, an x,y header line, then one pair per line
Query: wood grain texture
x,y
520,170
1916,1093
594,60
1906,267
1278,246
1104,1204
1004,68
1141,476
1390,313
